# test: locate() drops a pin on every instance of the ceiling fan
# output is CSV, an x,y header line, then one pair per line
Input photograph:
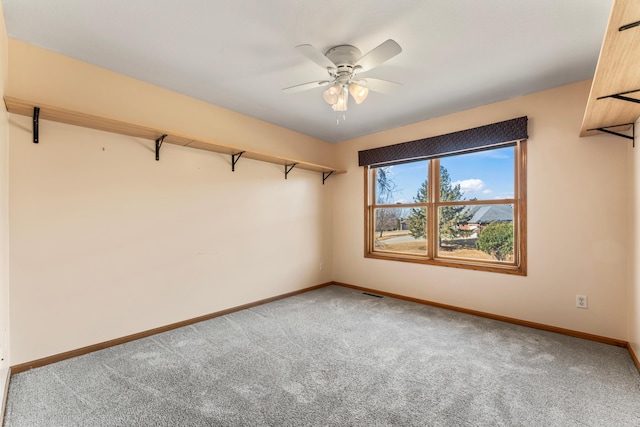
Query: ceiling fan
x,y
344,63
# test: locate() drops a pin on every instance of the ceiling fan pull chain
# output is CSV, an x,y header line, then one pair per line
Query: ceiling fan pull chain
x,y
344,117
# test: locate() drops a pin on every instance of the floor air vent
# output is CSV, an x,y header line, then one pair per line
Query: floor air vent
x,y
372,295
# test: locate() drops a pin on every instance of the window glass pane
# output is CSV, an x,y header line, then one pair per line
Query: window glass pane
x,y
485,175
483,232
400,230
404,183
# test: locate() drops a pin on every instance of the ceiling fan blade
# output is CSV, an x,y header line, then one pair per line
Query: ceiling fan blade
x,y
305,86
378,85
378,55
315,55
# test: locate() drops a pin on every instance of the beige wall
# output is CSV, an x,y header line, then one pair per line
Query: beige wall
x,y
49,78
105,241
577,211
634,244
4,213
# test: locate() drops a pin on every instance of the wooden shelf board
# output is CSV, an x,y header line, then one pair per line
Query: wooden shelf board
x,y
618,71
25,108
255,155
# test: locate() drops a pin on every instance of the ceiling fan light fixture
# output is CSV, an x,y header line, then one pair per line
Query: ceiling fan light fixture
x,y
332,94
358,92
343,63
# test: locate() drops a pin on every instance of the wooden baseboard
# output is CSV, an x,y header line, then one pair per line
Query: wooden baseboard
x,y
634,357
106,344
16,369
569,332
541,326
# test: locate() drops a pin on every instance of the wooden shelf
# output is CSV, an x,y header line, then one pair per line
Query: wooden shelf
x,y
47,112
618,71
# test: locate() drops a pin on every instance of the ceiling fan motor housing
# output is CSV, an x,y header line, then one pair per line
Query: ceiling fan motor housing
x,y
345,57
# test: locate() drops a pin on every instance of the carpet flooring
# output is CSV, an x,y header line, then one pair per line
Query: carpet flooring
x,y
338,357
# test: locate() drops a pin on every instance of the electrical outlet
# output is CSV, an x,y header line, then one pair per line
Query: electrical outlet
x,y
581,301
321,266
3,345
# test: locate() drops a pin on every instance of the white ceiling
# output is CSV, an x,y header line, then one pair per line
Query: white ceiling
x,y
239,54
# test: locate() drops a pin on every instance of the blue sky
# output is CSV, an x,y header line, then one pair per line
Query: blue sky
x,y
485,175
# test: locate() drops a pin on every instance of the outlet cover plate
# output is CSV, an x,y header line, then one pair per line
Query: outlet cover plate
x,y
581,301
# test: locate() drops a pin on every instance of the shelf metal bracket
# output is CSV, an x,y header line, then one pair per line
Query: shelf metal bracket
x,y
36,125
326,175
234,159
628,26
159,142
288,168
621,96
605,129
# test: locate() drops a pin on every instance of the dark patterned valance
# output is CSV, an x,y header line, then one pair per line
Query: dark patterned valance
x,y
502,134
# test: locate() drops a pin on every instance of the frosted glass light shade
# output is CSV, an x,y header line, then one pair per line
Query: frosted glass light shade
x,y
358,92
332,94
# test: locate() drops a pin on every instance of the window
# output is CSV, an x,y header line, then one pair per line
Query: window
x,y
466,210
